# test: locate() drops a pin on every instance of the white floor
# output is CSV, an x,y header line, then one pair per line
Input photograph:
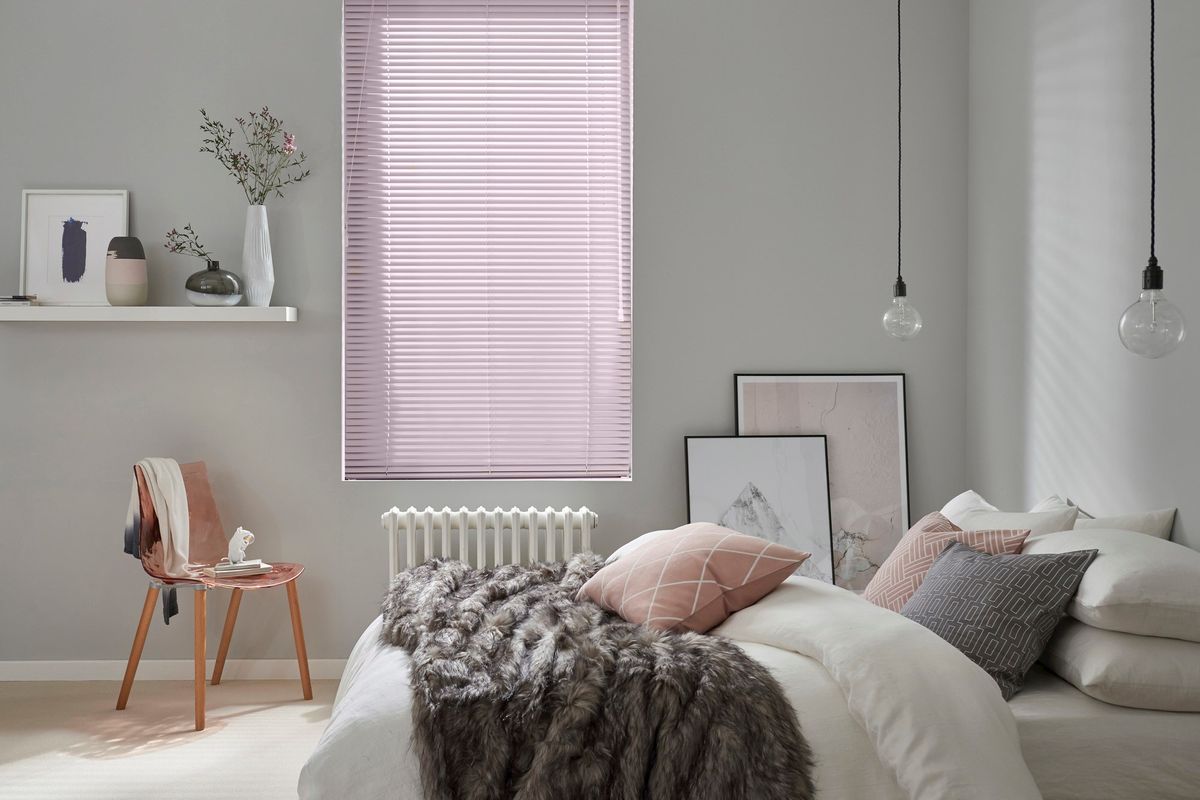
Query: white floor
x,y
65,740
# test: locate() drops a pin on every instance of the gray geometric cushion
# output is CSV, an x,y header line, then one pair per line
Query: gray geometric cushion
x,y
1000,611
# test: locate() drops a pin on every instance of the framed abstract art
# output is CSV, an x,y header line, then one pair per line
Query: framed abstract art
x,y
64,243
864,419
773,487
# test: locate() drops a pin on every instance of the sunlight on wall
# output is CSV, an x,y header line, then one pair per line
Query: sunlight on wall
x,y
1094,411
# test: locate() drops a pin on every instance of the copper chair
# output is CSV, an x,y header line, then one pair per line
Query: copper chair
x,y
207,545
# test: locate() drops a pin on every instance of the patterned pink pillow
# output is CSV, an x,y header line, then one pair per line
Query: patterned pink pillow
x,y
897,580
692,578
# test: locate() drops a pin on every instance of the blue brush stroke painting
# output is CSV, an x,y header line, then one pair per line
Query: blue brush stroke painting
x,y
74,250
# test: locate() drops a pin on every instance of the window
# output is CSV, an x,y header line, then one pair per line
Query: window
x,y
487,317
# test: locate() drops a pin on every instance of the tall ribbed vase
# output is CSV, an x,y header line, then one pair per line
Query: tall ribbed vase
x,y
257,269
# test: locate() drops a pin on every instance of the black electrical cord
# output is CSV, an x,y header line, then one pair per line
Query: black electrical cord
x,y
1153,136
899,151
1152,275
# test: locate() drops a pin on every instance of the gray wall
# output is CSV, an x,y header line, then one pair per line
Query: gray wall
x,y
1059,192
764,240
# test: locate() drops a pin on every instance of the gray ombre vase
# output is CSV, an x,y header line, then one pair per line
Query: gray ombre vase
x,y
214,287
125,282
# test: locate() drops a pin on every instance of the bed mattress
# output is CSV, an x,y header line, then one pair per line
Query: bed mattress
x,y
1082,749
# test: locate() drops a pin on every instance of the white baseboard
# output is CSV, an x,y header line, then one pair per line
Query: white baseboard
x,y
168,670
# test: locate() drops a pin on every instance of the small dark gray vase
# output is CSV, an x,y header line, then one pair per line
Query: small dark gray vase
x,y
214,287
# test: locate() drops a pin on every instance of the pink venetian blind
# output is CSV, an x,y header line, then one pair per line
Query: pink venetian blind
x,y
487,239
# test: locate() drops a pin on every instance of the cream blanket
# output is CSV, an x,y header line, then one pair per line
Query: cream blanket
x,y
935,719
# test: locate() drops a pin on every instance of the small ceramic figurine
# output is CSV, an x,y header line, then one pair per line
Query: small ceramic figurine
x,y
238,544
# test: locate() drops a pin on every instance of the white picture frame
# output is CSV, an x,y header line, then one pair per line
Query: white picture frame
x,y
773,487
65,266
864,415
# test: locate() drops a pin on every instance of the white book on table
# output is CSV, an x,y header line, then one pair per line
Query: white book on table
x,y
249,562
240,572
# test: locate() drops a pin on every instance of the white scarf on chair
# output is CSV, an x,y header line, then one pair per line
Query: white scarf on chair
x,y
167,493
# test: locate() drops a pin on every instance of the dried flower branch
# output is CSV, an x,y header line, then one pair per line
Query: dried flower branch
x,y
187,243
270,160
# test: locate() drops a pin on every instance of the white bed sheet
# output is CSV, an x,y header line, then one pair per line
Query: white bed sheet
x,y
365,752
1082,749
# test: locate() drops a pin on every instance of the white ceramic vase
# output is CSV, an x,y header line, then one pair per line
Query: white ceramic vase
x,y
257,269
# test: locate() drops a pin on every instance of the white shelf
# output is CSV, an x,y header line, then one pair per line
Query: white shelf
x,y
147,314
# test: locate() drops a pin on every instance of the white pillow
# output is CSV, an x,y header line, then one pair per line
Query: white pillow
x,y
971,512
1039,523
1056,502
630,546
1153,523
1137,583
1126,670
967,502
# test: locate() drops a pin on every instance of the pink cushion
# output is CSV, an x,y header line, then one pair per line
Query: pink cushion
x,y
897,580
692,578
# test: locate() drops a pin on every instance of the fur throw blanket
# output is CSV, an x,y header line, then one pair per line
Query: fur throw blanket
x,y
520,691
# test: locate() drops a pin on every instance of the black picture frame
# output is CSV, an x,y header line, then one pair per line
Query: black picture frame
x,y
687,461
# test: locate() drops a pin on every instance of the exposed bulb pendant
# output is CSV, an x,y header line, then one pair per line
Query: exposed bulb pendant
x,y
901,320
1153,326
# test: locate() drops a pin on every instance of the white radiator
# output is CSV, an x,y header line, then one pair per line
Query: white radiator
x,y
485,537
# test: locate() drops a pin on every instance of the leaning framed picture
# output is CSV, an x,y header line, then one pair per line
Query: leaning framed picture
x,y
64,242
773,487
864,418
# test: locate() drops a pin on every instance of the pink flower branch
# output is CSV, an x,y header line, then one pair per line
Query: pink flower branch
x,y
269,161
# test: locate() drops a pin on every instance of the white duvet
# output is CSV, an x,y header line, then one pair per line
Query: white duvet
x,y
890,710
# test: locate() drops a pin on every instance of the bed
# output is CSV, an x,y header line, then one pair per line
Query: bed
x,y
878,727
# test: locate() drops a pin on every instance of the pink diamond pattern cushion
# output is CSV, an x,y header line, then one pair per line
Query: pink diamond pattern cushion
x,y
692,578
901,574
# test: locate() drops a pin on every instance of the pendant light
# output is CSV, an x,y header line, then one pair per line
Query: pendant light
x,y
901,320
1152,327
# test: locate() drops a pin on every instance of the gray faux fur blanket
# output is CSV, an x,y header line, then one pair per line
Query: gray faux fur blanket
x,y
520,691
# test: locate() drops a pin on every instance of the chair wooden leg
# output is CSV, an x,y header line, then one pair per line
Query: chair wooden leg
x,y
139,641
200,626
230,618
298,634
